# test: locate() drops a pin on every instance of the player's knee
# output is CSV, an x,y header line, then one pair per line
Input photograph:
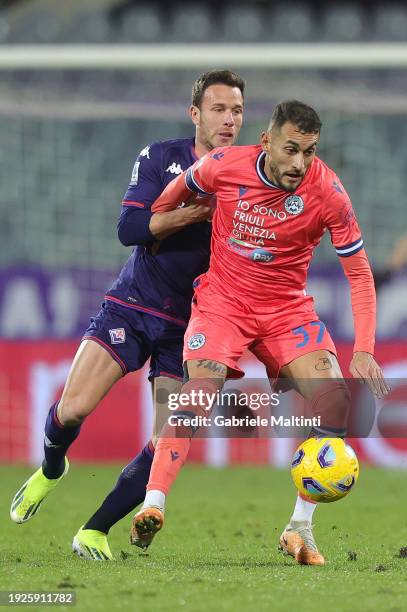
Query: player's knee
x,y
331,407
189,409
199,396
72,411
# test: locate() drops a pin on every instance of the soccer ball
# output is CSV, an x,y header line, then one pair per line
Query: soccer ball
x,y
324,469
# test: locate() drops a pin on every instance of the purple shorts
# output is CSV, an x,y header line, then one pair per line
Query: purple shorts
x,y
131,337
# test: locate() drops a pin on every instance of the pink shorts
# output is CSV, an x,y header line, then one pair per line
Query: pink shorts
x,y
222,328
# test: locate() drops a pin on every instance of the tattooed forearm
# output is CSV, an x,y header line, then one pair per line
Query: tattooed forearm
x,y
213,366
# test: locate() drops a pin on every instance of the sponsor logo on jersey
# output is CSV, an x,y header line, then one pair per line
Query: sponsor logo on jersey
x,y
174,168
294,204
337,187
217,156
145,152
261,256
134,174
117,336
196,341
247,250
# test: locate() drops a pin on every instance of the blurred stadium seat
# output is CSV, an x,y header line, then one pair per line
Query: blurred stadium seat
x,y
4,28
390,23
193,23
242,23
292,23
141,25
255,21
344,23
35,25
89,26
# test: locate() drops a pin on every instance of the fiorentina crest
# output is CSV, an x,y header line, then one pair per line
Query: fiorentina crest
x,y
117,336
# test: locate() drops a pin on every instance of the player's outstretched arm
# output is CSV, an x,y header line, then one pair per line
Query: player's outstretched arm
x,y
167,223
174,193
168,218
363,298
138,223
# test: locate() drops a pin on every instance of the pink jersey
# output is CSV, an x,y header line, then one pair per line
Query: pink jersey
x,y
263,236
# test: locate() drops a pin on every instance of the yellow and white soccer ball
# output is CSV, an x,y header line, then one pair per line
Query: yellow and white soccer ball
x,y
324,469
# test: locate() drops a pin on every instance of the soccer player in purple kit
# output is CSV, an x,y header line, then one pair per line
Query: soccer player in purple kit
x,y
146,311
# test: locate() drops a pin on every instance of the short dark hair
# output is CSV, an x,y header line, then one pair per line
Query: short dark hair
x,y
214,77
298,113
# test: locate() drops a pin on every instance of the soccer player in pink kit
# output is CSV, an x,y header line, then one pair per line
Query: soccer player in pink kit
x,y
274,203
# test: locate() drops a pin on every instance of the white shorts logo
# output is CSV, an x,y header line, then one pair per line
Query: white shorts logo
x,y
196,341
117,336
294,205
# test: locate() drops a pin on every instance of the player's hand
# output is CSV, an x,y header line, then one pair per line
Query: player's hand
x,y
197,212
198,208
201,200
164,224
365,367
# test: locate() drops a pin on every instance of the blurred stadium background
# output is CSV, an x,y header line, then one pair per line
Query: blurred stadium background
x,y
69,137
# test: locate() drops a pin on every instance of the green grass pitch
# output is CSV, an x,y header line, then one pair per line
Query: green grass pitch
x,y
218,549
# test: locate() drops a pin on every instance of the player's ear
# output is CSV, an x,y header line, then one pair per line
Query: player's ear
x,y
265,141
195,114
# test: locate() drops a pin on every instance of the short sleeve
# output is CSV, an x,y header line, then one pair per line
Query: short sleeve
x,y
340,219
202,176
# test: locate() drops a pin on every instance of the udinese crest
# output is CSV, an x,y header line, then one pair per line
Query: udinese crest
x,y
196,341
294,205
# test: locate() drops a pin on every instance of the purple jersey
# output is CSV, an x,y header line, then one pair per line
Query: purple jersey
x,y
157,278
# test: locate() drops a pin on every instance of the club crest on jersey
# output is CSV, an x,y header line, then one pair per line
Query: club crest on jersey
x,y
294,205
117,336
196,341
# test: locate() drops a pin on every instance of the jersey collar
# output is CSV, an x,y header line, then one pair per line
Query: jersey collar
x,y
260,171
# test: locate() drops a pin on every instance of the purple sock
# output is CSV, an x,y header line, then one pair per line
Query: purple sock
x,y
129,492
57,440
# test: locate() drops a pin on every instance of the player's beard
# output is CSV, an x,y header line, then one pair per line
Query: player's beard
x,y
211,139
278,179
210,142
